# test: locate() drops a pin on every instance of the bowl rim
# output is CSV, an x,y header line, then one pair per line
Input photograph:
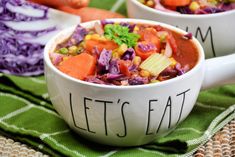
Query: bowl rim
x,y
193,16
52,43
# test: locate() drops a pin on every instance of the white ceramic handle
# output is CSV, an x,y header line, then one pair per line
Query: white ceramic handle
x,y
219,71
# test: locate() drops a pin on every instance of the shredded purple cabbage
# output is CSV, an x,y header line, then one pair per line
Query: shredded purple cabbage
x,y
146,47
130,26
169,73
105,22
112,77
138,80
227,6
184,10
94,79
133,67
208,10
77,36
104,59
129,54
181,70
188,36
113,67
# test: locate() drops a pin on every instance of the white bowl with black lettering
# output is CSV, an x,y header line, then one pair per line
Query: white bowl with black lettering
x,y
215,32
130,115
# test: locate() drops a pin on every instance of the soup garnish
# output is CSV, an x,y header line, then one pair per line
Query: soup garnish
x,y
125,54
191,6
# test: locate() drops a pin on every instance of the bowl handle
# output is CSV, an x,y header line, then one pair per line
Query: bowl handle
x,y
219,71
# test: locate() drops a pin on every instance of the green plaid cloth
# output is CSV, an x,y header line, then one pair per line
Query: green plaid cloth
x,y
26,114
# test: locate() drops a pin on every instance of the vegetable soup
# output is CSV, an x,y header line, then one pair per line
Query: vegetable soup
x,y
125,54
191,6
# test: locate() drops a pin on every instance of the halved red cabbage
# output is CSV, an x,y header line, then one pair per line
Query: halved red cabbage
x,y
24,30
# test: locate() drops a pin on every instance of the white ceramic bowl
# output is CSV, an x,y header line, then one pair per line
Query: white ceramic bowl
x,y
128,115
215,32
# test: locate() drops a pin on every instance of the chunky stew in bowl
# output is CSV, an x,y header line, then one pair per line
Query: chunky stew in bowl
x,y
125,54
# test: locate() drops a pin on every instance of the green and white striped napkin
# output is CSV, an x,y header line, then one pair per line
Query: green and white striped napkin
x,y
27,115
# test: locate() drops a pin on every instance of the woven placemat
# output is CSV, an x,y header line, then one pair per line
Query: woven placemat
x,y
222,144
10,148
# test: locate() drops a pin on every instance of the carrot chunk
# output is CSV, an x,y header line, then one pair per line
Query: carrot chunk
x,y
176,2
100,45
79,66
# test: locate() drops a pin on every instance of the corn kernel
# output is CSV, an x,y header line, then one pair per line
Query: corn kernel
x,y
154,81
122,49
213,1
163,37
102,38
194,6
88,37
144,73
95,36
142,1
136,29
115,55
173,61
65,58
150,3
137,60
73,50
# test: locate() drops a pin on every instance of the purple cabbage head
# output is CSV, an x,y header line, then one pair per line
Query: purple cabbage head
x,y
146,47
24,30
17,55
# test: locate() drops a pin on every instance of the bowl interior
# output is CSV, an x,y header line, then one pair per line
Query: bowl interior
x,y
65,34
159,12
